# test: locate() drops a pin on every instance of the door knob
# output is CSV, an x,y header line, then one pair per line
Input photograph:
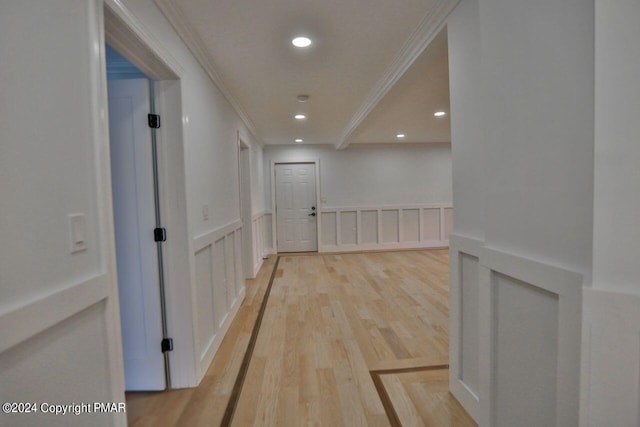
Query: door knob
x,y
312,214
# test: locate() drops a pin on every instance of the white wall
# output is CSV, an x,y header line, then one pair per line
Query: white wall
x,y
375,196
611,374
373,175
55,162
522,136
59,339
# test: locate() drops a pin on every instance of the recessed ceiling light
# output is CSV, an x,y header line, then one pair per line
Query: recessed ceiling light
x,y
300,117
400,135
439,113
302,98
301,42
299,140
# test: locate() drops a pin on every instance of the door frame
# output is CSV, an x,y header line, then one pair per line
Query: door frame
x,y
274,230
246,208
129,37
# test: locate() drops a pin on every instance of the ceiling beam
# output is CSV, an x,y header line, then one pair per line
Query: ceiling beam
x,y
427,30
197,47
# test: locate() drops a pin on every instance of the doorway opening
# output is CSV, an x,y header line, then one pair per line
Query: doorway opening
x,y
295,192
137,224
162,74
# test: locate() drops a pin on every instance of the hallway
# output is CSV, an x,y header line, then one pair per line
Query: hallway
x,y
351,339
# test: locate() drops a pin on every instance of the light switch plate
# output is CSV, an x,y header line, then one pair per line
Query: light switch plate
x,y
77,232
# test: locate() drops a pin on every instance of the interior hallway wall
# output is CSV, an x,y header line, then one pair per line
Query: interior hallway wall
x,y
59,325
611,344
368,185
522,101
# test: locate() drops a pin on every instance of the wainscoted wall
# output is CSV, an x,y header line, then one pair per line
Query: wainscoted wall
x,y
385,227
219,288
610,359
261,223
511,317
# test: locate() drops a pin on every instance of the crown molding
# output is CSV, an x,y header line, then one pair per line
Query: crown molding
x,y
194,43
421,37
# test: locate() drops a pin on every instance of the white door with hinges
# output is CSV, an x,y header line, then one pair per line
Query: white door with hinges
x,y
296,210
134,223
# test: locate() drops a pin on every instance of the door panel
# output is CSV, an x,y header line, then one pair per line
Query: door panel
x,y
134,221
295,201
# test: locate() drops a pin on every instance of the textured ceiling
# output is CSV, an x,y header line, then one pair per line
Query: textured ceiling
x,y
356,43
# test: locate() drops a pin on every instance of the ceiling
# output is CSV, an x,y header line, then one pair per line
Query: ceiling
x,y
376,67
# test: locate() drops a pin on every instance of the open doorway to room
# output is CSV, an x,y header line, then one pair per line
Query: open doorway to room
x,y
150,209
137,224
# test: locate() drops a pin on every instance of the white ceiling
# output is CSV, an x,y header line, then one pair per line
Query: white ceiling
x,y
354,73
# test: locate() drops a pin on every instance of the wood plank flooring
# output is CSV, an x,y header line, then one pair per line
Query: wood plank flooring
x,y
421,398
329,321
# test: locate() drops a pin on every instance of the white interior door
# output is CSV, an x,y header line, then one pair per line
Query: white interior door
x,y
296,210
134,221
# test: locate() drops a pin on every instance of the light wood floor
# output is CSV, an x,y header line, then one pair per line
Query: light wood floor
x,y
329,322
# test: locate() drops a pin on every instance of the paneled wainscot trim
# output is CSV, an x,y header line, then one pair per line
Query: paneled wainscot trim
x,y
385,227
220,288
511,316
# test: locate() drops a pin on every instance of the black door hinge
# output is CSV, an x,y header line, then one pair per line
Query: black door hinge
x,y
154,121
167,345
160,234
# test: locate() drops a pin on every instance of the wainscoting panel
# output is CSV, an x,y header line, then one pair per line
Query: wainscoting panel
x,y
219,287
514,337
204,297
369,227
447,217
610,359
348,228
464,317
262,245
525,342
384,227
431,224
530,319
469,371
329,228
230,268
411,225
219,282
390,226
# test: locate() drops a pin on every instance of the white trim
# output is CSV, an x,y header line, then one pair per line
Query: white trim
x,y
460,245
610,387
385,207
274,231
106,233
430,244
135,42
260,214
207,239
197,47
567,285
429,27
46,312
379,244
